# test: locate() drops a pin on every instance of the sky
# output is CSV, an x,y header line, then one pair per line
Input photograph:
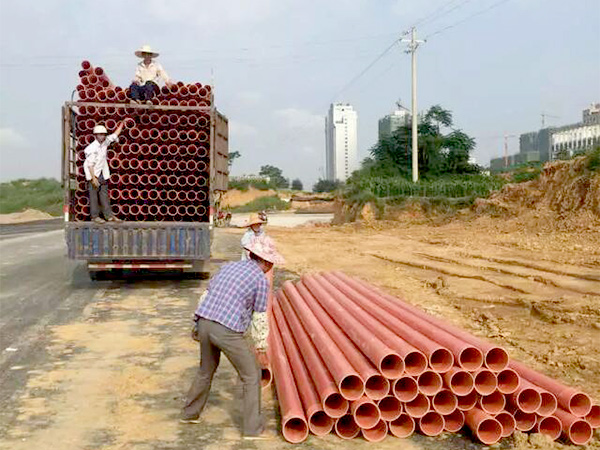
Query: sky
x,y
277,65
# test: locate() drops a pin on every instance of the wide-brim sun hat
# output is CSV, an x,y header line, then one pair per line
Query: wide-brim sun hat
x,y
264,248
100,129
145,49
254,219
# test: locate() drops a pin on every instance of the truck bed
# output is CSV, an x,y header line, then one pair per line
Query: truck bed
x,y
138,241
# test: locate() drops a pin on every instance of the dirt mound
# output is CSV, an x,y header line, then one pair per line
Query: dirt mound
x,y
566,192
29,215
233,197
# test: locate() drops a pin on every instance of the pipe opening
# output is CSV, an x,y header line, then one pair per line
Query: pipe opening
x,y
295,430
430,382
580,405
367,415
467,402
549,404
377,387
507,422
335,405
471,358
493,403
462,383
346,427
454,421
508,381
441,360
524,421
415,363
529,400
406,389
417,407
593,417
403,426
352,387
550,426
444,402
489,431
580,432
431,424
377,433
391,366
485,382
390,408
265,377
320,423
496,359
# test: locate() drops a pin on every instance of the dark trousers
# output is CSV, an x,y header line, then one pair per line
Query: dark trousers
x,y
143,92
214,339
99,193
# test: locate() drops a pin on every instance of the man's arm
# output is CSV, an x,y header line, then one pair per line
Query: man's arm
x,y
119,128
137,79
262,295
162,73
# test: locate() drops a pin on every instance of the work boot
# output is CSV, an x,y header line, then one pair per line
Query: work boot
x,y
114,219
99,220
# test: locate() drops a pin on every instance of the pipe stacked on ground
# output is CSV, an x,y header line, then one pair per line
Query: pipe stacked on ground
x,y
366,363
160,165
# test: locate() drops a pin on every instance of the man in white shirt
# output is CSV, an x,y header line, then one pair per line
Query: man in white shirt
x,y
147,75
97,172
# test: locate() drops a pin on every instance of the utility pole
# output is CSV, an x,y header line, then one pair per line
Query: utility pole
x,y
413,44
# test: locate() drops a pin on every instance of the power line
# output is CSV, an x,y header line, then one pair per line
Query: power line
x,y
440,12
455,24
365,70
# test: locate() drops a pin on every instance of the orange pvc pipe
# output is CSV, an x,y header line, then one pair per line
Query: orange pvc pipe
x,y
403,426
487,429
431,424
485,381
551,426
454,421
417,407
293,421
440,358
266,374
593,417
492,403
387,361
507,421
346,427
508,381
405,389
570,399
467,402
377,433
467,356
376,385
365,412
444,402
349,382
496,358
430,382
390,408
459,381
318,422
577,430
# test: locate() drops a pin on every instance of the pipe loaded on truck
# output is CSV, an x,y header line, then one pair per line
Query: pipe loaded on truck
x,y
168,168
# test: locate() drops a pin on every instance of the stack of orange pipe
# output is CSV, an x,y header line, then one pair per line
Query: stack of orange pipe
x,y
159,167
356,361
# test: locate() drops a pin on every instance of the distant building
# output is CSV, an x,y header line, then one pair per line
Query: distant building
x,y
341,142
551,143
393,121
566,143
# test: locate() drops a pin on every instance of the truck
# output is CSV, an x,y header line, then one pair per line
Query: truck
x,y
163,187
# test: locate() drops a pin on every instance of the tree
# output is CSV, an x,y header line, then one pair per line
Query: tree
x,y
326,185
233,156
297,185
275,176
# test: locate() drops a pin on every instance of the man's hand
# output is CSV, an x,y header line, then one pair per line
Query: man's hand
x,y
95,182
195,332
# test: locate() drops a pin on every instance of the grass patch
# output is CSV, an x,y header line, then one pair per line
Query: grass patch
x,y
44,194
272,203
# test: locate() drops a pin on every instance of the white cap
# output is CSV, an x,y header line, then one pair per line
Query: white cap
x,y
100,129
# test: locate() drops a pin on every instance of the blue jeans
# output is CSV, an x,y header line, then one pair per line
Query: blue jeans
x,y
144,92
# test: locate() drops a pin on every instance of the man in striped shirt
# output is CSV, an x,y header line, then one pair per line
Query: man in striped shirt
x,y
234,293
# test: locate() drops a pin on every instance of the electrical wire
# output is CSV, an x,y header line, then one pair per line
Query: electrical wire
x,y
469,17
434,15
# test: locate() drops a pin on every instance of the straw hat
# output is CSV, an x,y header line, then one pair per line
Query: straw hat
x,y
254,219
100,129
264,248
145,49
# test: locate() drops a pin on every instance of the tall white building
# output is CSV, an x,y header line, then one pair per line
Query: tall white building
x,y
341,138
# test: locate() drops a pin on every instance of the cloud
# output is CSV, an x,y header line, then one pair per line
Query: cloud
x,y
11,138
300,119
239,129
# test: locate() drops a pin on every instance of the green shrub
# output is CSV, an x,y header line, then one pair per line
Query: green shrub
x,y
263,203
44,194
594,159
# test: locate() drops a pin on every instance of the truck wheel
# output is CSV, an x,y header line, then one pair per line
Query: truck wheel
x,y
97,275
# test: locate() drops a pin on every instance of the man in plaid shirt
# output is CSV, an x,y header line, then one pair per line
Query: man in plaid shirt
x,y
234,293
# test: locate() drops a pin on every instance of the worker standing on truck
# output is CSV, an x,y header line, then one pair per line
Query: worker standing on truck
x,y
147,75
255,228
235,292
97,172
